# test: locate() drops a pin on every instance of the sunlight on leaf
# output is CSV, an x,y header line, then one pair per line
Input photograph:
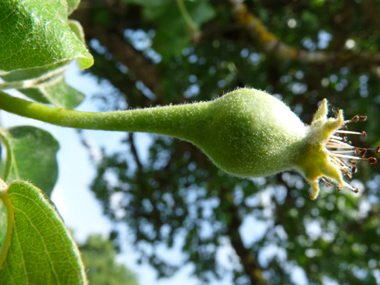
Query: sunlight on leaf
x,y
42,250
43,35
53,89
34,156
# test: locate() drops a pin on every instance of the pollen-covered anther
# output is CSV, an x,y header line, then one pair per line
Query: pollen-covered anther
x,y
355,119
372,160
378,149
327,183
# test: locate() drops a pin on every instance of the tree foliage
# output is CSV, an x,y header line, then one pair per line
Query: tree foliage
x,y
301,51
98,255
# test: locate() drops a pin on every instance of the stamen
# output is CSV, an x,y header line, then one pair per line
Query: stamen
x,y
336,141
334,145
349,132
344,155
355,119
342,162
341,143
339,162
328,184
347,156
342,151
378,149
372,160
353,189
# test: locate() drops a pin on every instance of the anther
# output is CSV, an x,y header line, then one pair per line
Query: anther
x,y
331,154
354,169
363,118
353,161
349,132
364,134
349,175
378,149
340,187
356,190
355,118
372,160
328,184
364,151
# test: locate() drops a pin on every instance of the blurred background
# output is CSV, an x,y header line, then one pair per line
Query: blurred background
x,y
166,205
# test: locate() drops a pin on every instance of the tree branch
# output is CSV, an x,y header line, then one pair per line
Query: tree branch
x,y
249,262
272,45
112,38
134,152
370,10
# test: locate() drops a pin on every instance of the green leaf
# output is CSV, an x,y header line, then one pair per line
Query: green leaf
x,y
36,33
57,92
99,257
34,156
172,35
53,88
72,5
201,11
3,223
42,250
77,29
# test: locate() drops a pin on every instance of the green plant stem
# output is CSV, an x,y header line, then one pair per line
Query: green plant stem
x,y
9,160
186,121
189,22
10,220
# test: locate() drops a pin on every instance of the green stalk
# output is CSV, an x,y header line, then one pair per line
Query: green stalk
x,y
191,25
183,121
242,132
10,220
9,160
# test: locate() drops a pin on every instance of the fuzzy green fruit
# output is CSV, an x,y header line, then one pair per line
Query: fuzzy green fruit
x,y
251,134
247,133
